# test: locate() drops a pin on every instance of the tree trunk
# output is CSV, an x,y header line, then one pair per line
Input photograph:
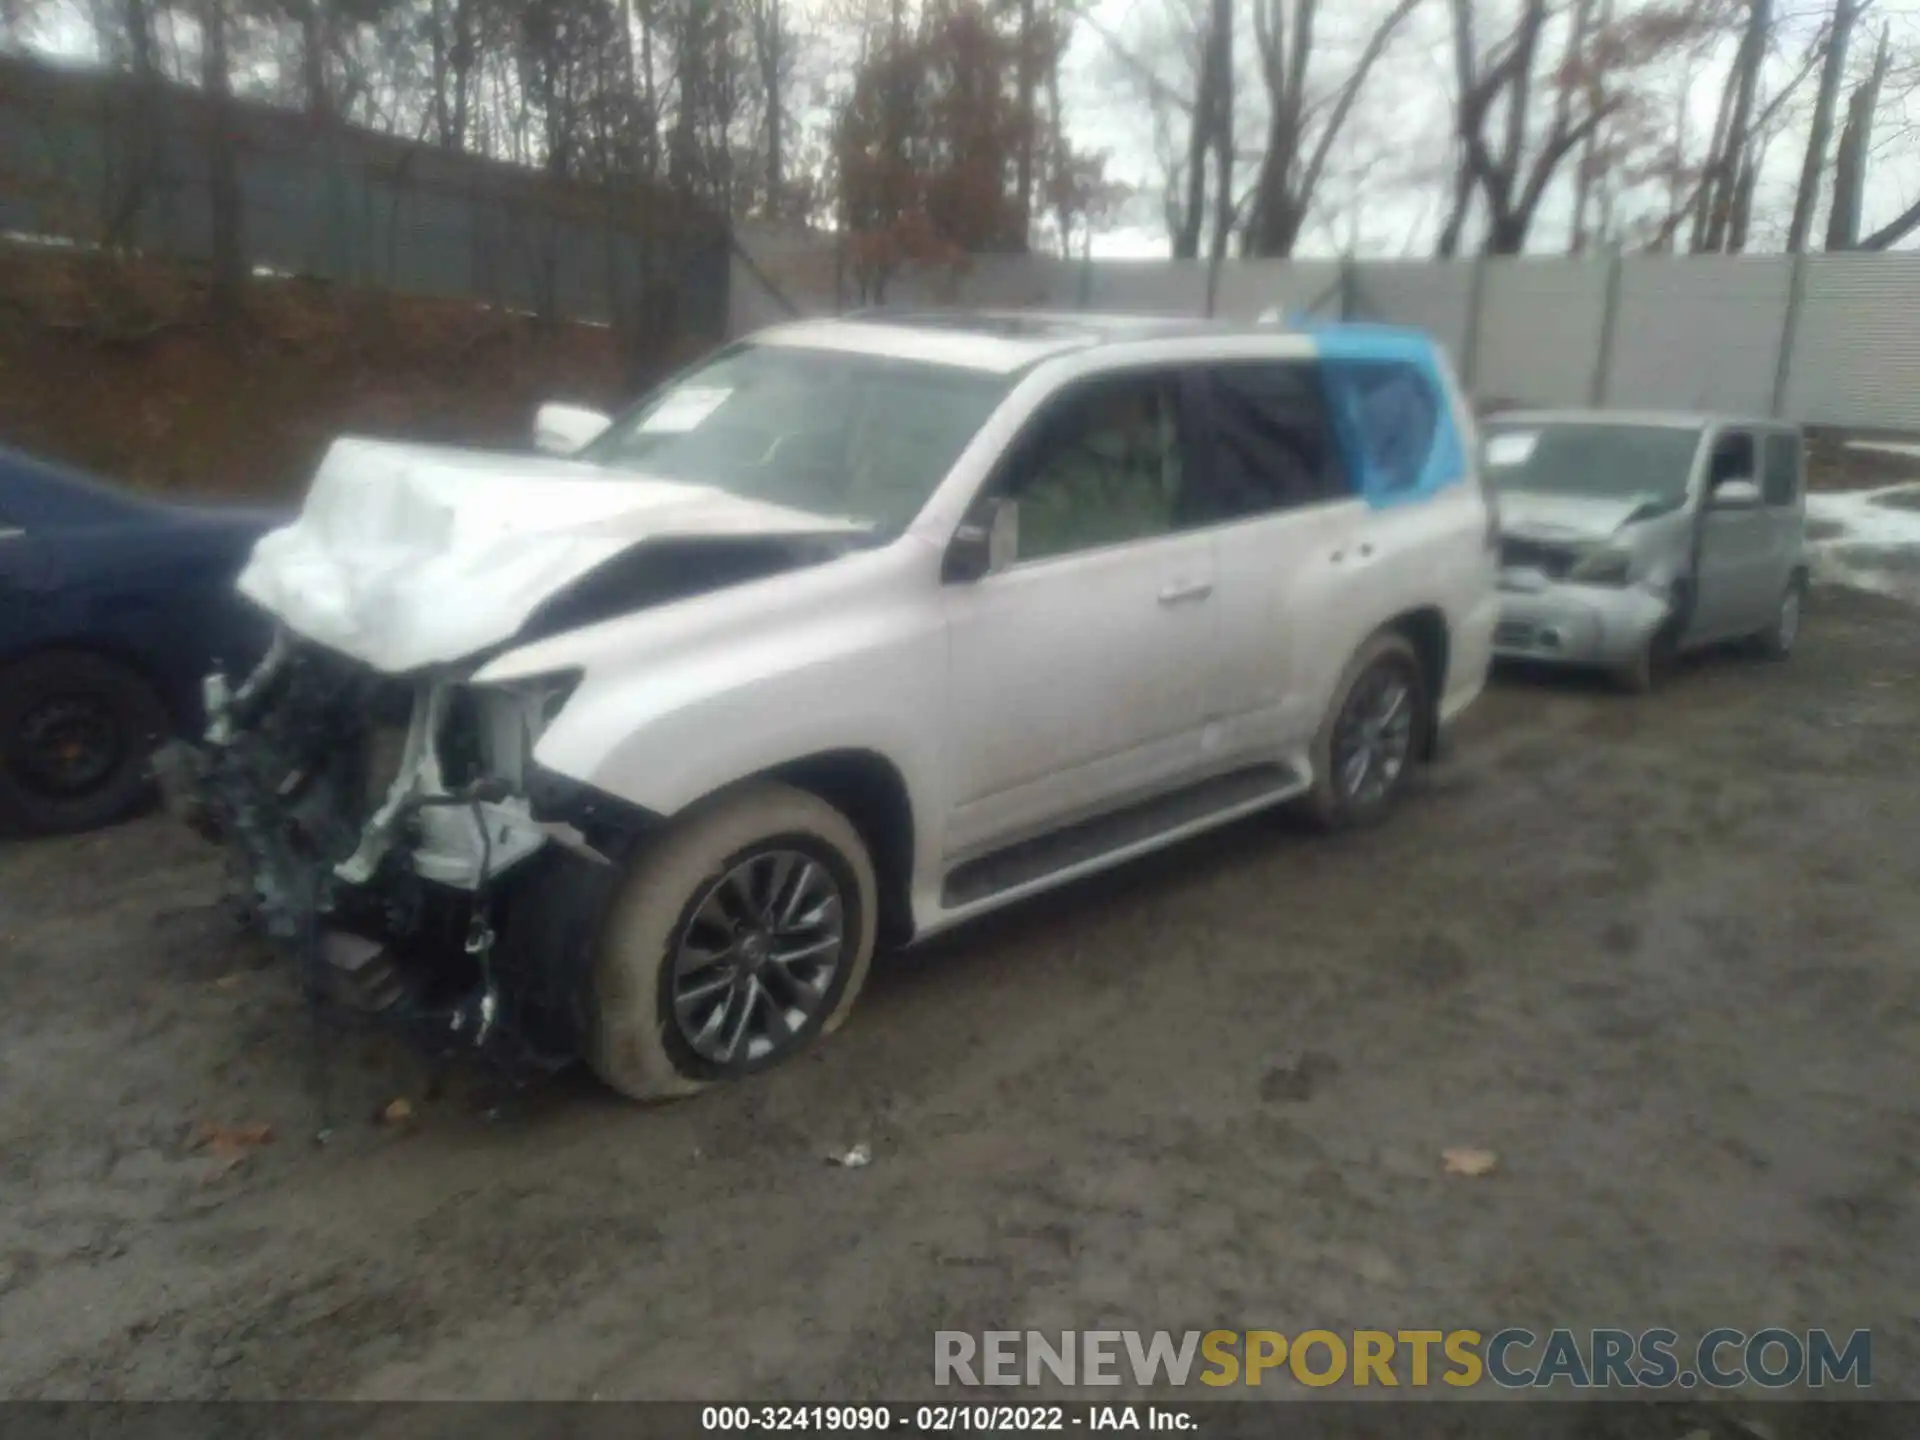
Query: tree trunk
x,y
1821,134
1023,153
1448,244
1586,172
1732,157
1223,128
228,255
1850,165
313,56
776,114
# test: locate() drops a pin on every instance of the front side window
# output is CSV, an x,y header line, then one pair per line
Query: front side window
x,y
856,437
1732,460
1782,478
1591,460
1104,465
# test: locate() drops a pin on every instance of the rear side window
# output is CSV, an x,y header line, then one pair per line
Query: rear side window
x,y
1394,423
1274,446
1781,482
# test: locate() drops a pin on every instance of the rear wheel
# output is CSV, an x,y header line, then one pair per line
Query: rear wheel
x,y
76,731
1776,641
740,937
1373,733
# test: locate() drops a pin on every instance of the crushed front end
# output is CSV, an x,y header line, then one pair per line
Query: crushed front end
x,y
394,834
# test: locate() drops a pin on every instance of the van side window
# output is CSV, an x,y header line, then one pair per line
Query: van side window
x,y
1733,459
1274,446
1394,418
1782,481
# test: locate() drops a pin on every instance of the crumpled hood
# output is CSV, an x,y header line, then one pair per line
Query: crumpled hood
x,y
412,555
1567,517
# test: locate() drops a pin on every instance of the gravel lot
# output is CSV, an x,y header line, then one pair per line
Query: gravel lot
x,y
1658,955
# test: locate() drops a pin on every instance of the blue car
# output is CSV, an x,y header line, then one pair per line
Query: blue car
x,y
112,608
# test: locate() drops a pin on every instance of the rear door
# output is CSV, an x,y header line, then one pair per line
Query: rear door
x,y
1285,516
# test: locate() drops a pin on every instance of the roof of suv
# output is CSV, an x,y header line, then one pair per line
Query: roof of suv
x,y
1000,340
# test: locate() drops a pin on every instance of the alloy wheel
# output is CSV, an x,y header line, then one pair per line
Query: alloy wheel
x,y
757,957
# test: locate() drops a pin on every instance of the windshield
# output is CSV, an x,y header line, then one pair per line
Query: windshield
x,y
848,436
1599,460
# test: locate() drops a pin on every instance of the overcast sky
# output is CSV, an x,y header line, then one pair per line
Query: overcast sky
x,y
1400,133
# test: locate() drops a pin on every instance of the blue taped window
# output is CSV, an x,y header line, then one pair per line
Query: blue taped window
x,y
1393,418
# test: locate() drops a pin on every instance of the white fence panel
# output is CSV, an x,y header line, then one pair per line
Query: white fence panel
x,y
1247,289
1856,346
1542,324
1698,332
1434,297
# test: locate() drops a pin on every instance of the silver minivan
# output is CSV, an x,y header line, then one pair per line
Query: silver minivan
x,y
1627,538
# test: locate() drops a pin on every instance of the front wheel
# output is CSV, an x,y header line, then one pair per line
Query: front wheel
x,y
1373,732
740,937
76,729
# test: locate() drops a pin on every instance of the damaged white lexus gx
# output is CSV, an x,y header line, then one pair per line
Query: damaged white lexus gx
x,y
858,629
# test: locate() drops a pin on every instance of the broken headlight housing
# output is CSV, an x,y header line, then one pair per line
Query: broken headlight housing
x,y
1603,565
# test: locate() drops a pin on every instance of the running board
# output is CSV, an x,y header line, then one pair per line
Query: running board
x,y
1081,848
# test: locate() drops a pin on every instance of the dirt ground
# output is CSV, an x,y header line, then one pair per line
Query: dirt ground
x,y
1657,954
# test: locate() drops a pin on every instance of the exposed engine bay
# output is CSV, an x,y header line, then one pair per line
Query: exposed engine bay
x,y
382,828
395,832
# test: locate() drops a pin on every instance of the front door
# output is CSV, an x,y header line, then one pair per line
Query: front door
x,y
1079,668
1734,580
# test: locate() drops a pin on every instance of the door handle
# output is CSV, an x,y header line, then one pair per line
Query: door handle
x,y
1184,590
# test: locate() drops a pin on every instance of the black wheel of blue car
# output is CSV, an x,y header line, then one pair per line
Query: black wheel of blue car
x,y
76,731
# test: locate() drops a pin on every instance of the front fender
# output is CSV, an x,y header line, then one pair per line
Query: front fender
x,y
673,704
662,741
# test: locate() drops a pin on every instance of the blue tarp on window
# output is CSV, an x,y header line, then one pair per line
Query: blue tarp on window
x,y
1390,411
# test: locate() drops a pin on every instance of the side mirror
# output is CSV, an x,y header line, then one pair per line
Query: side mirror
x,y
985,542
566,429
1736,494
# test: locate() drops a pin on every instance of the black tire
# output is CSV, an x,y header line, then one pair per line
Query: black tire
x,y
76,732
1388,657
1640,675
640,1043
1776,641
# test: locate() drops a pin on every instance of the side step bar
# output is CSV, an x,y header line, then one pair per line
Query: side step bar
x,y
1083,845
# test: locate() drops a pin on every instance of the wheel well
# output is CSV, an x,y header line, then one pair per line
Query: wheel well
x,y
869,791
1426,630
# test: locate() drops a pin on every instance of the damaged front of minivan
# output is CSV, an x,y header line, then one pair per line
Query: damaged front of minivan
x,y
1597,536
380,799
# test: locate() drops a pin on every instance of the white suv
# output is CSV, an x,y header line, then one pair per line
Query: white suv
x,y
854,631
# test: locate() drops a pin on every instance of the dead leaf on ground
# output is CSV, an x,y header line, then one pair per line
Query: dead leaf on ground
x,y
231,1142
1468,1160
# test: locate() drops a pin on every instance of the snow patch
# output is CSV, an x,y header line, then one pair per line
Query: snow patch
x,y
1867,539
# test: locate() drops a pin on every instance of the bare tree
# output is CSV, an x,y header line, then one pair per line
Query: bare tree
x,y
773,61
228,251
1820,132
1295,156
1504,79
1718,200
